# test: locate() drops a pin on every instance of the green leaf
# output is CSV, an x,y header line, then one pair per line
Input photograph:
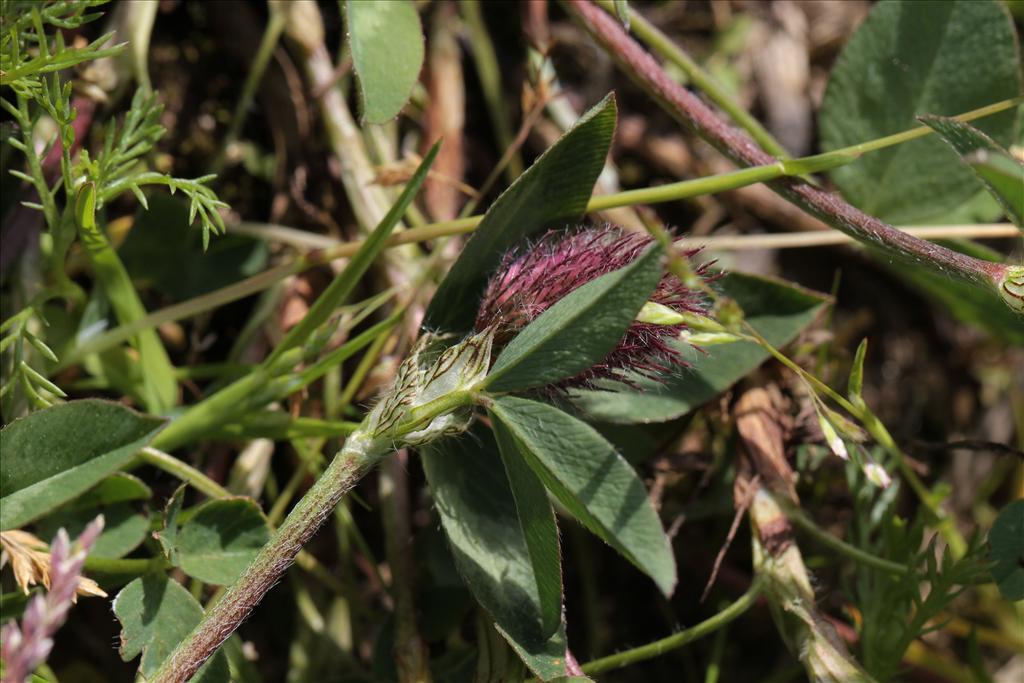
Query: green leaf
x,y
387,52
546,659
342,286
553,192
168,534
12,605
504,543
537,520
1002,175
220,540
162,252
578,331
124,528
1006,540
53,455
120,487
156,614
159,386
594,483
856,382
777,309
908,59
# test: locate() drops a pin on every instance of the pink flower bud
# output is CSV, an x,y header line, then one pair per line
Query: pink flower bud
x,y
532,279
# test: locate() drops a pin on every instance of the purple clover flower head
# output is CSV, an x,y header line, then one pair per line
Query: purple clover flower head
x,y
532,279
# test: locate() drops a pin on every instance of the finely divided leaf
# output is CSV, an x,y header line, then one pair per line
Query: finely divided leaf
x,y
579,331
552,193
594,483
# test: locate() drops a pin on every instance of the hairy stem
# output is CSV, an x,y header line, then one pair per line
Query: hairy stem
x,y
328,249
689,110
360,453
344,472
663,45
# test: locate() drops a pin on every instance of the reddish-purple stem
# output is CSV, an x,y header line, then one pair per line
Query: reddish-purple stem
x,y
689,110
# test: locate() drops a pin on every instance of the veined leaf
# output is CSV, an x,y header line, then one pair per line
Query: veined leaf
x,y
545,659
777,309
124,528
578,331
594,483
537,520
220,540
908,59
387,53
502,534
156,614
553,192
1002,175
53,455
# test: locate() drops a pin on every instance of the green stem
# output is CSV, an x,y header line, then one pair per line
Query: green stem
x,y
360,453
802,521
659,647
691,111
281,426
344,472
271,36
680,268
663,45
881,435
183,471
685,189
160,389
489,73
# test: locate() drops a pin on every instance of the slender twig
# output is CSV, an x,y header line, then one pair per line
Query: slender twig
x,y
659,647
183,471
271,35
689,110
489,73
347,468
663,45
807,525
